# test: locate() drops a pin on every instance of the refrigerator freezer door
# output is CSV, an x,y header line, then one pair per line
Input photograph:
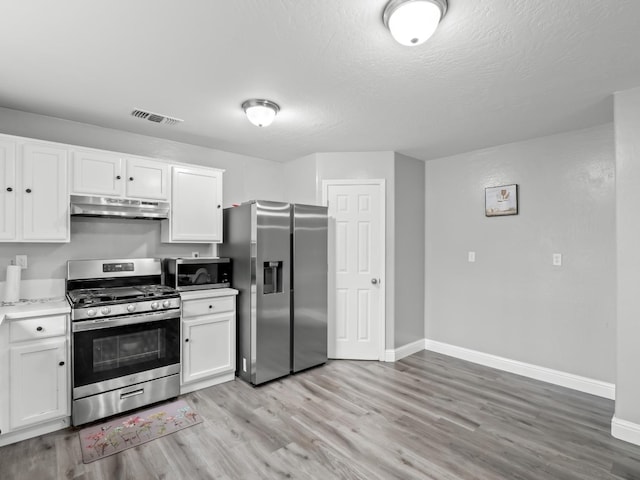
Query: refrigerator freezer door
x,y
309,300
270,320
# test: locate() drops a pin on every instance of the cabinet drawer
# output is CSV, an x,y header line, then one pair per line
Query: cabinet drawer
x,y
205,306
35,328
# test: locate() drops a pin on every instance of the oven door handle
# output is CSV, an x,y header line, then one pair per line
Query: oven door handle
x,y
98,323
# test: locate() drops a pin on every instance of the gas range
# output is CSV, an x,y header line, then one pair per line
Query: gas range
x,y
125,336
99,289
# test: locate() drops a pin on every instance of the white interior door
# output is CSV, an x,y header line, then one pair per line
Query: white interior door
x,y
356,268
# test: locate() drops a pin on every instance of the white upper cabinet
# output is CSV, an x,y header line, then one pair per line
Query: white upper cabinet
x,y
8,188
196,206
45,198
147,179
97,173
111,174
34,199
36,178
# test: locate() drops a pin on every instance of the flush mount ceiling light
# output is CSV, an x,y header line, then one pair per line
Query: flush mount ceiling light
x,y
260,112
412,22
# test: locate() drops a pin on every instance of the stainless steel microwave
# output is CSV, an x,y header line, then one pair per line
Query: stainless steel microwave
x,y
196,273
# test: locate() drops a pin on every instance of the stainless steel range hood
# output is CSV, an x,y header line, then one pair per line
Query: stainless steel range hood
x,y
89,206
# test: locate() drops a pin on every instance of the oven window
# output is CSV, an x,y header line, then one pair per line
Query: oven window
x,y
113,352
128,349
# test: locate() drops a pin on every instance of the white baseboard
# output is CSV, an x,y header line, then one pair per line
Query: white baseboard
x,y
393,355
626,431
556,377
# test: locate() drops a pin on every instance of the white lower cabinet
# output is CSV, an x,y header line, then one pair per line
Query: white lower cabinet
x,y
34,377
208,338
39,388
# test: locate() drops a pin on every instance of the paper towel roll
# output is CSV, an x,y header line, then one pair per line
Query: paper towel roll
x,y
12,285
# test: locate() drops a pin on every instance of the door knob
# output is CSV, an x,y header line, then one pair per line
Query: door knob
x,y
374,281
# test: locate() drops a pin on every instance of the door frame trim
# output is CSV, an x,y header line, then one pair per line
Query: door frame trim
x,y
381,183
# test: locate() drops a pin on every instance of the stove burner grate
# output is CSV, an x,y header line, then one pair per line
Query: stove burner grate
x,y
97,296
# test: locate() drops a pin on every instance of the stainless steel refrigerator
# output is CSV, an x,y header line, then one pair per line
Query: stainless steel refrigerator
x,y
279,259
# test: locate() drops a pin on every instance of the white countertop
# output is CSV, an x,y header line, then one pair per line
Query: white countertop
x,y
34,307
57,305
208,293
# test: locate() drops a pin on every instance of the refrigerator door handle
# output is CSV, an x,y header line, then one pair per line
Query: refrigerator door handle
x,y
274,276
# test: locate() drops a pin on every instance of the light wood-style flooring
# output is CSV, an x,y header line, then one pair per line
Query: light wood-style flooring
x,y
427,416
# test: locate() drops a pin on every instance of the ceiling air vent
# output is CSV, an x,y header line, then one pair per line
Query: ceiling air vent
x,y
155,117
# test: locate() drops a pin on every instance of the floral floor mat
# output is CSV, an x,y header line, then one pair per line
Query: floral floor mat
x,y
99,441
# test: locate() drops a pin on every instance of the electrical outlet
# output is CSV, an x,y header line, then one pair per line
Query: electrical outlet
x,y
471,256
21,261
557,259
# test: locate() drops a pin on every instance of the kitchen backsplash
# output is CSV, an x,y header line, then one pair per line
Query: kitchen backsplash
x,y
96,238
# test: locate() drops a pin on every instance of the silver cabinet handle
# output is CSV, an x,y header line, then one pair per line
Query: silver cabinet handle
x,y
374,280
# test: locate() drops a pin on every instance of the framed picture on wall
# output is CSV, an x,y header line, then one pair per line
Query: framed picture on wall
x,y
501,201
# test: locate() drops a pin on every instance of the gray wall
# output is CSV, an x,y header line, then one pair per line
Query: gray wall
x,y
627,122
512,302
245,178
409,249
301,181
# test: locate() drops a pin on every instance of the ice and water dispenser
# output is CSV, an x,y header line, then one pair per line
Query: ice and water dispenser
x,y
272,280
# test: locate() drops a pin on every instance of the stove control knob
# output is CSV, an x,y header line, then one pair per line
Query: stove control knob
x,y
91,312
105,310
154,305
131,307
166,304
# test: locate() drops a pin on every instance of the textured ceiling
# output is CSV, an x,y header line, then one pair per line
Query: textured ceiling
x,y
496,71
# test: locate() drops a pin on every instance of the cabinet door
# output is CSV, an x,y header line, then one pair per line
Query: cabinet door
x,y
97,173
208,347
45,196
196,205
38,378
8,189
147,179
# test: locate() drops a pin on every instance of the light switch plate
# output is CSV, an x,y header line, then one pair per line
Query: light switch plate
x,y
557,259
471,256
21,261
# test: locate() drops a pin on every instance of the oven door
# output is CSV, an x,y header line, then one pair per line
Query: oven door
x,y
115,352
